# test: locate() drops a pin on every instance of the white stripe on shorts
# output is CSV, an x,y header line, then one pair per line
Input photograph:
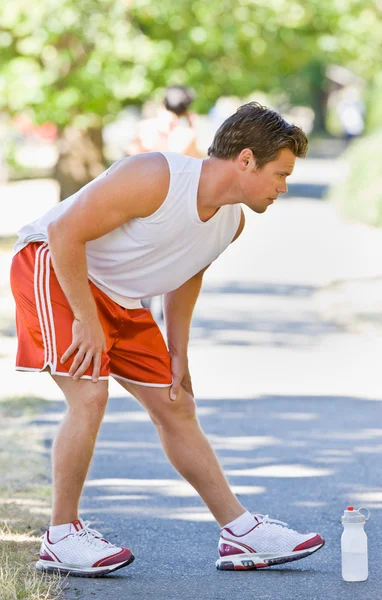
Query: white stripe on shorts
x,y
44,306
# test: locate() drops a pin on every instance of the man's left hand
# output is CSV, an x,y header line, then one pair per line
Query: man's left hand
x,y
180,375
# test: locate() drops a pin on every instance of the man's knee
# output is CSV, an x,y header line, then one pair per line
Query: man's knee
x,y
92,402
170,412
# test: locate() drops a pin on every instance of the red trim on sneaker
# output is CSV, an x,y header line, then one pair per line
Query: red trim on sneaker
x,y
45,556
47,550
314,541
228,550
77,525
121,556
247,548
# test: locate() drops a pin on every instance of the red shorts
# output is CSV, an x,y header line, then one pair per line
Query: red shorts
x,y
135,348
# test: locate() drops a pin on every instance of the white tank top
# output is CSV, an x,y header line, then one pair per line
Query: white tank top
x,y
153,255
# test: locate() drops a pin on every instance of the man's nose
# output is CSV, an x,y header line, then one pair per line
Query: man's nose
x,y
282,188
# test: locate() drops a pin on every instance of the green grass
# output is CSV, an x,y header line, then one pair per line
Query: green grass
x,y
24,503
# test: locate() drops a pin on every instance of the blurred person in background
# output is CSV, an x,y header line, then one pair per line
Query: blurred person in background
x,y
172,129
149,225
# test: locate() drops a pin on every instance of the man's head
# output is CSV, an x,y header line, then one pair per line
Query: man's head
x,y
263,148
260,129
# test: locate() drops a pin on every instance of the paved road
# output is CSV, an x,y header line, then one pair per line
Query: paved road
x,y
290,401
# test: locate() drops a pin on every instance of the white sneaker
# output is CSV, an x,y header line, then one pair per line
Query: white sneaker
x,y
83,552
268,543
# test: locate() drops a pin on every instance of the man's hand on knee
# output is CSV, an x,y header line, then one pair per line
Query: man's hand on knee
x,y
180,375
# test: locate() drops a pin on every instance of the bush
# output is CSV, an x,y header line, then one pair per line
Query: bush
x,y
359,196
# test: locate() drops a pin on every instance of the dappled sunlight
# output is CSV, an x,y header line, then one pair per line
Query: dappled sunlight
x,y
282,471
335,452
199,515
110,444
333,460
359,494
241,442
163,487
362,434
271,315
148,483
296,416
362,495
295,444
310,503
186,513
371,499
140,416
177,488
377,449
236,460
248,489
122,497
137,416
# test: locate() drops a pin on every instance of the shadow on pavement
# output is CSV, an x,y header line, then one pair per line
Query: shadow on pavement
x,y
287,318
261,288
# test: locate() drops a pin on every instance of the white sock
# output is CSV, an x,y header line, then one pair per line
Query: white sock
x,y
242,524
57,532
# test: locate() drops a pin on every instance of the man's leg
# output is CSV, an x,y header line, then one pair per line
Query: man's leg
x,y
74,443
187,448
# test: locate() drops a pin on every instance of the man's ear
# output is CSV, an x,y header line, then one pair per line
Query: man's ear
x,y
246,160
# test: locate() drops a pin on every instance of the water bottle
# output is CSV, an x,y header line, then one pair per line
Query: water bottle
x,y
354,545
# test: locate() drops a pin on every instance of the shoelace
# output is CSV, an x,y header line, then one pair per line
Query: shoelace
x,y
267,519
92,536
276,522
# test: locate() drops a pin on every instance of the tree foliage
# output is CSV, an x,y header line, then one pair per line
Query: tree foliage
x,y
80,62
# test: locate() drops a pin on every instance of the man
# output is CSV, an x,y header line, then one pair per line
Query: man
x,y
150,225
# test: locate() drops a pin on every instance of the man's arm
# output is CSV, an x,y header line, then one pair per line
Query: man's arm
x,y
136,187
178,308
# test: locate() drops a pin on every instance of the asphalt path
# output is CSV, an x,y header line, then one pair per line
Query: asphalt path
x,y
290,402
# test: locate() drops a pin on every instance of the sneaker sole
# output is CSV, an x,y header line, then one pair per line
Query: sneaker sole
x,y
50,567
250,562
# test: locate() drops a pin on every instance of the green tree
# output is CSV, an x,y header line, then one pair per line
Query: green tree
x,y
78,63
73,64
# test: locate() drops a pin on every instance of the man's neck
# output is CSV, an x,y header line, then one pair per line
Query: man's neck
x,y
216,187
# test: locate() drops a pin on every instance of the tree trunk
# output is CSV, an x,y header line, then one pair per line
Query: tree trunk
x,y
319,95
80,160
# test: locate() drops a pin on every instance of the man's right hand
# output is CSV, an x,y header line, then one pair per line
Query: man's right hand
x,y
88,339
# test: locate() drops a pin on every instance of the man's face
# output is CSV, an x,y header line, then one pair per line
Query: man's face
x,y
261,187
